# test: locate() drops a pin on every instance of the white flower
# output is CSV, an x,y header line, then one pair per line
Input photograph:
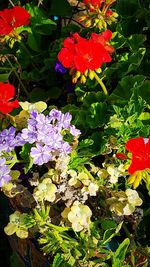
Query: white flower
x,y
93,188
115,173
133,197
45,191
79,216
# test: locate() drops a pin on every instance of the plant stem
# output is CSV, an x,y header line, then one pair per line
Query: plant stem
x,y
23,87
132,242
11,3
88,173
99,80
3,68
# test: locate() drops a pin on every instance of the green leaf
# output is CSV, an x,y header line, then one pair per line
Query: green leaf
x,y
136,40
60,8
4,77
144,91
144,116
96,116
121,250
108,224
110,233
45,27
118,40
127,8
25,155
85,143
136,59
34,41
58,259
125,87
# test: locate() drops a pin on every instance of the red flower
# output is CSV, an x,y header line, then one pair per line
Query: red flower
x,y
140,149
109,13
13,18
94,3
102,39
7,92
81,54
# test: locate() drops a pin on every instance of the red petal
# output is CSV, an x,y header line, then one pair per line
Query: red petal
x,y
7,107
20,16
107,35
7,91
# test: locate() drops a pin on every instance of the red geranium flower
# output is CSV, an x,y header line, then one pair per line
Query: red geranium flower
x,y
140,149
94,3
13,18
81,54
7,93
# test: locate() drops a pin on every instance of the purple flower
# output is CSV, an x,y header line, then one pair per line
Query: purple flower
x,y
4,172
9,140
60,68
40,154
47,133
54,140
42,122
55,115
64,121
29,134
75,132
65,148
32,120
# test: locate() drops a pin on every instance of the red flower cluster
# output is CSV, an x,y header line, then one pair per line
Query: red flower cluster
x,y
94,3
7,93
13,18
81,54
140,149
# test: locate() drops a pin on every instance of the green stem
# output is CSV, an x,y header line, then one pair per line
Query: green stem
x,y
88,173
23,87
58,228
3,68
132,243
99,80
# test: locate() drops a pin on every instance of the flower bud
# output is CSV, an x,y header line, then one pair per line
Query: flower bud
x,y
91,74
88,23
83,79
121,156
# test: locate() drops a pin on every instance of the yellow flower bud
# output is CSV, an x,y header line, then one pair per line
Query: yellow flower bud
x,y
83,79
91,74
88,23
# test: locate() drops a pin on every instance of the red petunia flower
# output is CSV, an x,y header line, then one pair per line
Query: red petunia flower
x,y
140,149
81,54
7,93
13,18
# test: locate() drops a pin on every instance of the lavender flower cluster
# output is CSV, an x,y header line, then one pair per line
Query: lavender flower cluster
x,y
8,141
46,132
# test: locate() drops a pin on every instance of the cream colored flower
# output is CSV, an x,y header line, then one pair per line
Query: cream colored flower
x,y
46,190
133,197
16,225
79,216
115,172
91,189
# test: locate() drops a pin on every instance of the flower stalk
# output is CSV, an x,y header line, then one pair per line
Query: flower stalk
x,y
99,80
